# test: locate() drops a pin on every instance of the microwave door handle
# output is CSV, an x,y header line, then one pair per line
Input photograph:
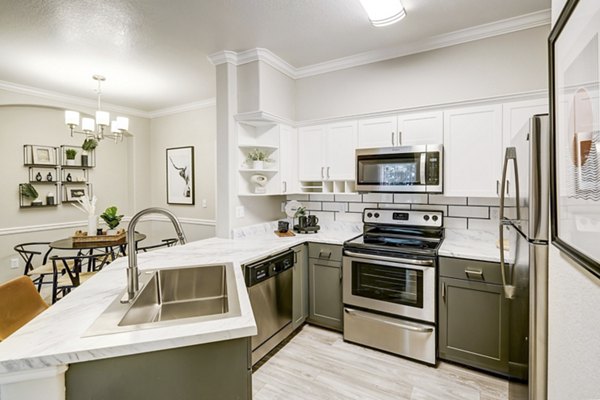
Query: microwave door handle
x,y
422,169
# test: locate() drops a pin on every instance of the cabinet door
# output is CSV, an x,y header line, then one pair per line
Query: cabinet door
x,y
300,291
311,153
515,129
340,147
377,132
325,293
421,128
473,149
288,159
473,322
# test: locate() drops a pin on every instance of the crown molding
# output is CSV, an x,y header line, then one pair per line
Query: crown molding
x,y
502,27
67,99
197,105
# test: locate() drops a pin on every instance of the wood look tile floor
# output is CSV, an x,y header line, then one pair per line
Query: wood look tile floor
x,y
318,364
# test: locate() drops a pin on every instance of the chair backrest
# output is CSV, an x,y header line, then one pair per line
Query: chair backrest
x,y
74,264
28,251
21,302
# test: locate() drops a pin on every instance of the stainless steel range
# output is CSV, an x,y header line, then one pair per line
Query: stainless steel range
x,y
389,282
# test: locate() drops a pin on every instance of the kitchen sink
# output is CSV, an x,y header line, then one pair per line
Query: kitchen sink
x,y
173,296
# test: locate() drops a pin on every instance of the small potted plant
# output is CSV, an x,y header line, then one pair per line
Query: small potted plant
x,y
112,219
88,145
29,192
70,153
257,159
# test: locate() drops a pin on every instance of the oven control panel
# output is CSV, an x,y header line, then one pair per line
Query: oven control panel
x,y
403,217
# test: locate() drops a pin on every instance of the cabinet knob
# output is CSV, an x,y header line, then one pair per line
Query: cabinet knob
x,y
392,138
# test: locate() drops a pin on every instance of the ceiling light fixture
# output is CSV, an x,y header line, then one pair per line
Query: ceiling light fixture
x,y
383,12
118,127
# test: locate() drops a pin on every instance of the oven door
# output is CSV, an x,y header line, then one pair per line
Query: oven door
x,y
402,287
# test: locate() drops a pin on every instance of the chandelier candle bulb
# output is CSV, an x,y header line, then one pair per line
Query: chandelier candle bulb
x,y
102,118
123,123
72,118
114,127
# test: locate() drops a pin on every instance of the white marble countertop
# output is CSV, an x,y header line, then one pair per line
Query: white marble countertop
x,y
475,245
55,337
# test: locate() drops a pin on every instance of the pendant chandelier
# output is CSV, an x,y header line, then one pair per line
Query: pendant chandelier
x,y
98,128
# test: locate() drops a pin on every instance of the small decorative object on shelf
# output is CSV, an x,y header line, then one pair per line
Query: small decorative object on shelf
x,y
50,200
257,158
111,218
38,177
49,177
88,146
260,181
70,153
69,178
28,191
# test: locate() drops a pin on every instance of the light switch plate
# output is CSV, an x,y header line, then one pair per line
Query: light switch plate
x,y
204,203
239,212
14,263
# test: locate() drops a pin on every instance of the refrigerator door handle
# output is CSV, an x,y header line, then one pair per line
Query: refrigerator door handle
x,y
509,155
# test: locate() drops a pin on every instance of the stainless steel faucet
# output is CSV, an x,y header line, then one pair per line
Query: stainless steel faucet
x,y
133,283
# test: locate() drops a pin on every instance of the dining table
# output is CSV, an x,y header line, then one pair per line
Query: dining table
x,y
69,244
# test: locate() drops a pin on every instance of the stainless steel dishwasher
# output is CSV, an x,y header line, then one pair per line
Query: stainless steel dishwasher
x,y
270,284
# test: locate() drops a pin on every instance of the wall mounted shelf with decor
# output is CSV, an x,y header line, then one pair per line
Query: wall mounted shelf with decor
x,y
40,156
81,159
72,191
43,175
74,175
48,196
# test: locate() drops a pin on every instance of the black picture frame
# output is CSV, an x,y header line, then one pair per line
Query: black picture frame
x,y
180,174
579,198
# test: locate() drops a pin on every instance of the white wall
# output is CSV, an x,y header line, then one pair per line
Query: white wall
x,y
190,128
574,321
500,65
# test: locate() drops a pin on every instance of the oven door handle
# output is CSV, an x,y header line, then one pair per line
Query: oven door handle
x,y
396,324
391,259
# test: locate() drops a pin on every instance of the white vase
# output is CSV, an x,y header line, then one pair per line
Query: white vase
x,y
70,162
257,164
92,225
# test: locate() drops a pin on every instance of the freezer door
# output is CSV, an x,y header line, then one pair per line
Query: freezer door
x,y
538,321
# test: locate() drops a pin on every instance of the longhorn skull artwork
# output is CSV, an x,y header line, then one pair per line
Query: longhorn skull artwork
x,y
185,175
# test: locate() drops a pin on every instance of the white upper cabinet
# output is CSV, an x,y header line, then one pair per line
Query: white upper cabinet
x,y
401,130
472,151
311,153
515,127
421,128
327,152
340,146
377,132
288,159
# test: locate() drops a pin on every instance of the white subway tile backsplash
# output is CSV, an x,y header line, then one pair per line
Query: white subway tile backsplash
x,y
483,201
312,205
468,212
430,207
441,199
378,197
339,207
395,206
359,207
455,223
483,224
321,197
324,216
410,198
348,217
351,198
298,197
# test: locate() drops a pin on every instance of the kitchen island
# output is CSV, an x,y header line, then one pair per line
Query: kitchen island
x,y
34,361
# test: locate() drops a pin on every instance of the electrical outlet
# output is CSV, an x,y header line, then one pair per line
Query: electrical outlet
x,y
14,263
494,213
283,206
239,212
204,203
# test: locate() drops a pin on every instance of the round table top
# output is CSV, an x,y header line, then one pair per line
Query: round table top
x,y
67,243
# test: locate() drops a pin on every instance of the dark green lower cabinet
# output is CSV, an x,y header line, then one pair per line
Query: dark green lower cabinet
x,y
473,324
212,371
300,290
325,293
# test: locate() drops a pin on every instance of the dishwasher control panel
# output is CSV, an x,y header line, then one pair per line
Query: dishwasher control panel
x,y
264,269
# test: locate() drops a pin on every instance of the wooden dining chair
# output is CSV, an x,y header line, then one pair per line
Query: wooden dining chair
x,y
37,266
20,302
79,268
164,243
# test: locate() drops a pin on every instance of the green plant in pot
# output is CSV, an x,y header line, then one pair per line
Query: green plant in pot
x,y
257,158
88,146
70,153
28,191
111,218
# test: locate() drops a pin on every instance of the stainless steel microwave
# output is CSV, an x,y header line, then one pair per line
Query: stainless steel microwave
x,y
402,169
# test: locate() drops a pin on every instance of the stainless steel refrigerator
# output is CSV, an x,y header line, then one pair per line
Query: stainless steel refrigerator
x,y
524,222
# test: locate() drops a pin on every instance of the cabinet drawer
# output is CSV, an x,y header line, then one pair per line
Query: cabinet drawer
x,y
330,252
479,271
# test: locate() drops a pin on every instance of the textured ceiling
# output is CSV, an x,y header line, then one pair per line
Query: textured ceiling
x,y
153,52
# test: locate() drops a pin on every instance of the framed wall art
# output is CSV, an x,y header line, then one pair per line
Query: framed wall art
x,y
180,175
574,50
43,155
75,192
